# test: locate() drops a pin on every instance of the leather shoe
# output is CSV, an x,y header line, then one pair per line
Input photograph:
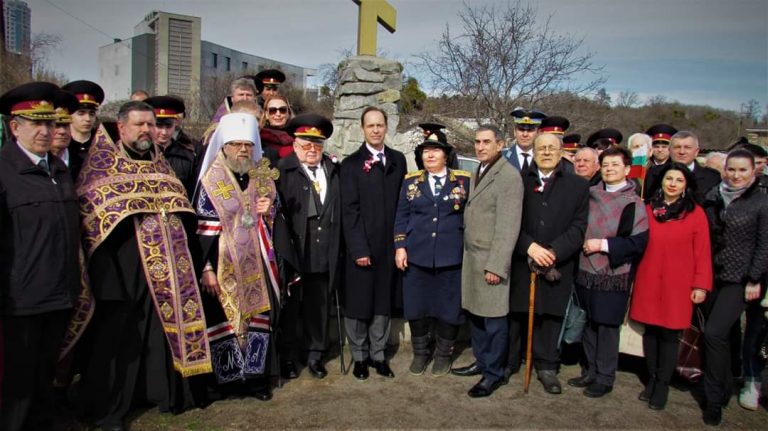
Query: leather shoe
x,y
580,382
470,370
550,381
288,370
597,390
317,369
262,392
382,369
360,370
485,387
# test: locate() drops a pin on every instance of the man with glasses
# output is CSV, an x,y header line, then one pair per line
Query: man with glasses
x,y
240,282
555,209
309,190
39,244
182,154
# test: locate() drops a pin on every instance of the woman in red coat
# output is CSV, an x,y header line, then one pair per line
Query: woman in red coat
x,y
277,112
674,274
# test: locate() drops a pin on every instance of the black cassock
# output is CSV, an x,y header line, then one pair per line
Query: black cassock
x,y
126,357
369,202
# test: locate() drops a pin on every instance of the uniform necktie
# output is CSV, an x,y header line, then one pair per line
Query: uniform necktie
x,y
525,161
438,185
315,183
380,156
43,164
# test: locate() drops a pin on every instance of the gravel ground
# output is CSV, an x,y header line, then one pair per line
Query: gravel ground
x,y
342,402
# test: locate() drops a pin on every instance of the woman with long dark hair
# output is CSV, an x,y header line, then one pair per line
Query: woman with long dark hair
x,y
674,274
738,219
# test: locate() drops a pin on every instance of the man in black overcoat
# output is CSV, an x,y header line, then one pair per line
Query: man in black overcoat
x,y
39,247
555,211
370,186
310,193
684,148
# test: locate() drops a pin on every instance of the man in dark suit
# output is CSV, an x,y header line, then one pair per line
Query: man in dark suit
x,y
527,123
555,210
309,190
370,186
684,147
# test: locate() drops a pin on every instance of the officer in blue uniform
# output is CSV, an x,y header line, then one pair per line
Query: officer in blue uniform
x,y
527,123
429,245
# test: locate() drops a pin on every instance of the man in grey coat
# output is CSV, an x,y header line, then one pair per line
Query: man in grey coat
x,y
491,226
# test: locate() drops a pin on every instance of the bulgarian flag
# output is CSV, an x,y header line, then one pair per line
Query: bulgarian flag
x,y
639,163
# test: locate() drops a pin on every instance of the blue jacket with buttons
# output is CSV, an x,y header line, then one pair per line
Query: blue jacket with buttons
x,y
430,228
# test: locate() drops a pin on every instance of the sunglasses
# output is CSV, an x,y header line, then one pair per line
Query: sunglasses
x,y
280,109
309,144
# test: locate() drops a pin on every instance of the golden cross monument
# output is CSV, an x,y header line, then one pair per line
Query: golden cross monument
x,y
262,174
372,12
223,190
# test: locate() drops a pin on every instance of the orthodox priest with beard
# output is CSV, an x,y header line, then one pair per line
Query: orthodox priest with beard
x,y
234,200
148,329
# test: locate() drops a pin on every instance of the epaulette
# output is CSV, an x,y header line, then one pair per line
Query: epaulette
x,y
413,174
461,172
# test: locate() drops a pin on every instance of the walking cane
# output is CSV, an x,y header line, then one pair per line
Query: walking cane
x,y
529,347
341,334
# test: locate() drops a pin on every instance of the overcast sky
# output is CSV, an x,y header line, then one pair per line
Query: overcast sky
x,y
696,51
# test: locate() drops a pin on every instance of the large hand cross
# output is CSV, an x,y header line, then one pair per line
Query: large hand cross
x,y
371,12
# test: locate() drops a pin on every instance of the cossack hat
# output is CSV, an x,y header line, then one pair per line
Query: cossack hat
x,y
34,101
313,127
89,94
661,133
555,124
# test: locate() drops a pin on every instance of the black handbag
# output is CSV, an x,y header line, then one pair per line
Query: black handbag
x,y
574,321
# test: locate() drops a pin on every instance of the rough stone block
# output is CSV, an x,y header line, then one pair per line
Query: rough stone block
x,y
388,96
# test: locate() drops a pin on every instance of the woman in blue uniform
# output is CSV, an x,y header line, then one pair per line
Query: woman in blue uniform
x,y
429,232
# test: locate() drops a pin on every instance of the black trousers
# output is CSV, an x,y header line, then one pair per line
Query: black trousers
x,y
660,346
601,348
725,304
308,308
31,351
546,334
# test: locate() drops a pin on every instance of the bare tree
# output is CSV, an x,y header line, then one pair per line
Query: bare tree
x,y
750,110
627,99
30,65
505,57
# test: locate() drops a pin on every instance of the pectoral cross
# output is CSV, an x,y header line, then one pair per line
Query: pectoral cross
x,y
223,190
262,174
371,13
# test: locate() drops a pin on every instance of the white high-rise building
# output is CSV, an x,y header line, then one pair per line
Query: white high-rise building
x,y
17,26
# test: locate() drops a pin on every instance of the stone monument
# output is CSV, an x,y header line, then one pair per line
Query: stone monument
x,y
367,80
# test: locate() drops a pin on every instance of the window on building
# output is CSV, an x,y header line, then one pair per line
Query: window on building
x,y
215,60
228,63
245,65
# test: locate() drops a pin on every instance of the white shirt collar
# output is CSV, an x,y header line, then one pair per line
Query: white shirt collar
x,y
32,156
375,151
692,166
520,152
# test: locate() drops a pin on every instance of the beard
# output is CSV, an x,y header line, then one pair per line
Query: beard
x,y
142,145
239,166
